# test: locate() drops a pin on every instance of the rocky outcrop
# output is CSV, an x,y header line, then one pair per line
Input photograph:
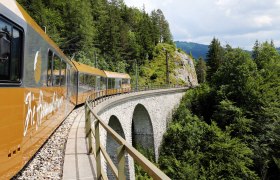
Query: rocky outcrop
x,y
185,69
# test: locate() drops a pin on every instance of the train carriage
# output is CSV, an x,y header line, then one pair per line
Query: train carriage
x,y
36,79
117,82
90,80
39,87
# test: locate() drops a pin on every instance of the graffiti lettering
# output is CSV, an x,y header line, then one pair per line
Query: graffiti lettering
x,y
39,109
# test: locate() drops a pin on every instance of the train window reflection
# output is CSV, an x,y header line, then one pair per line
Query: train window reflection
x,y
118,83
92,81
103,83
111,83
5,44
81,79
63,73
98,83
5,27
56,70
10,52
49,74
15,56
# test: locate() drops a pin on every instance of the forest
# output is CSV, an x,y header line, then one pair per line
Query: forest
x,y
229,126
101,33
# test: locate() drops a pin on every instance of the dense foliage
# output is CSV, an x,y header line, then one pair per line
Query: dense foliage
x,y
107,30
228,128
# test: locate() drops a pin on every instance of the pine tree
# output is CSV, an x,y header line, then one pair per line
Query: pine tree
x,y
267,54
156,28
201,70
161,27
214,58
144,38
79,27
256,50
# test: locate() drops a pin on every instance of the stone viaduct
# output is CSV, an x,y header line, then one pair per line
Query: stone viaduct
x,y
140,118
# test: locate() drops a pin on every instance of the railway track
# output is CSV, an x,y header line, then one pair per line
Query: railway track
x,y
47,163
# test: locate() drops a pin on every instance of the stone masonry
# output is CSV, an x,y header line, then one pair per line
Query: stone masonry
x,y
150,113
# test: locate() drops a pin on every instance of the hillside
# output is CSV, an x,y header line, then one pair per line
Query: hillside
x,y
111,30
228,128
181,67
197,50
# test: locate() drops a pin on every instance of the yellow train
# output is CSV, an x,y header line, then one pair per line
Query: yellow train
x,y
39,87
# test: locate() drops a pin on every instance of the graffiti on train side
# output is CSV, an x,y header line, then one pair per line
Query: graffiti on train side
x,y
37,109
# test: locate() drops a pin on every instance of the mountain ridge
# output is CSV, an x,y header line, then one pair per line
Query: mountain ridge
x,y
198,50
195,49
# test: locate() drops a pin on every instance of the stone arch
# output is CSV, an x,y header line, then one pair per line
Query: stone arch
x,y
112,145
142,129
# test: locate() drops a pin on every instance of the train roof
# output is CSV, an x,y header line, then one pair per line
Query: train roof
x,y
88,69
111,74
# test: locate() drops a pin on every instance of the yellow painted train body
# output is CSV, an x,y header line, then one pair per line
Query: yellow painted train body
x,y
39,87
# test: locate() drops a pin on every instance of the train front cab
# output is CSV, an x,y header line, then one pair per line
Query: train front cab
x,y
117,83
91,81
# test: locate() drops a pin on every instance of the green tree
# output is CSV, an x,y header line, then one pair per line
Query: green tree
x,y
248,93
256,50
267,112
267,54
161,29
236,79
144,38
80,28
201,69
202,151
214,58
110,29
232,119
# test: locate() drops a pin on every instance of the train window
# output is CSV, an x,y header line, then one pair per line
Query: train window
x,y
103,83
125,81
56,70
97,83
63,73
118,83
49,73
81,79
11,39
92,81
86,80
111,83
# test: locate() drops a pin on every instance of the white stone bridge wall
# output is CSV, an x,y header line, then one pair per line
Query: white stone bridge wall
x,y
156,105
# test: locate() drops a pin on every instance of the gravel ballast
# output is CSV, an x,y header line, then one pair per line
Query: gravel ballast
x,y
47,163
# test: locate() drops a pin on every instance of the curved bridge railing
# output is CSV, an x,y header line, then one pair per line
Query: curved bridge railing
x,y
93,125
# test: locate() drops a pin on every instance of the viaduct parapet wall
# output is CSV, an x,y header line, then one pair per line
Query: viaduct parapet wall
x,y
140,118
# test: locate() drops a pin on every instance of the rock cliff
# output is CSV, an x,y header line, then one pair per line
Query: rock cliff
x,y
185,68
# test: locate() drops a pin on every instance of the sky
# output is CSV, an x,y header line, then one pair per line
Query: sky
x,y
238,23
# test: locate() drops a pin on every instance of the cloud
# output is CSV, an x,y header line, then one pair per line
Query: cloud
x,y
263,20
237,22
